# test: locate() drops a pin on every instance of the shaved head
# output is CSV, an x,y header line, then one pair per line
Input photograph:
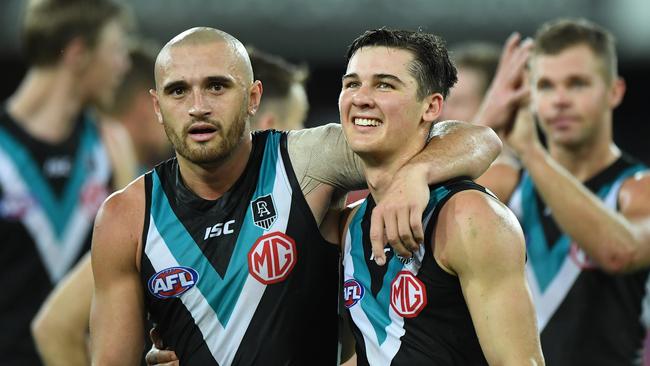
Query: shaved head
x,y
202,36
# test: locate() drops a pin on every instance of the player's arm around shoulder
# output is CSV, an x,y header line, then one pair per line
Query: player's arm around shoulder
x,y
117,311
480,240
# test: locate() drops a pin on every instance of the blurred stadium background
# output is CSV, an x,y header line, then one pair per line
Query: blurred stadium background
x,y
317,33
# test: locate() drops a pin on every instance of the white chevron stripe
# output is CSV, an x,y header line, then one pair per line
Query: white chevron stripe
x,y
56,254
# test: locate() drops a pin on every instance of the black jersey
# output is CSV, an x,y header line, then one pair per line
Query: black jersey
x,y
246,279
49,195
586,316
407,312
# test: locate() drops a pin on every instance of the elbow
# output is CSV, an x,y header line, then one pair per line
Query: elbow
x,y
493,143
43,332
617,261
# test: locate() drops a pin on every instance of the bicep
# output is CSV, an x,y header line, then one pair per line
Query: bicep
x,y
322,155
487,252
117,306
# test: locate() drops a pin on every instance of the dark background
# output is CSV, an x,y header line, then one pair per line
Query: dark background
x,y
318,32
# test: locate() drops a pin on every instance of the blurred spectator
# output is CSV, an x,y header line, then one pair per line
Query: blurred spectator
x,y
285,99
476,63
133,107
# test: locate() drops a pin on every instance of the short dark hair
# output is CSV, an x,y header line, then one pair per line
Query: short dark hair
x,y
49,25
431,66
479,56
557,35
276,74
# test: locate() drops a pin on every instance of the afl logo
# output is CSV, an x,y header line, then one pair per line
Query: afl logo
x,y
352,293
408,295
272,258
172,282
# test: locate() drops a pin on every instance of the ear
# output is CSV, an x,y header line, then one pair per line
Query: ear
x,y
156,105
433,107
76,54
616,93
255,96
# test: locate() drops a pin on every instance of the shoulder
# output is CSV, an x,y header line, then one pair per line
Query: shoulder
x,y
120,221
475,229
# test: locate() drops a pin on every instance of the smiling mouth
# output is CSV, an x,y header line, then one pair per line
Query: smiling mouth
x,y
367,122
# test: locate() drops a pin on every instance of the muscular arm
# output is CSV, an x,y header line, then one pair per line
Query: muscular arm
x,y
479,240
60,328
321,155
116,320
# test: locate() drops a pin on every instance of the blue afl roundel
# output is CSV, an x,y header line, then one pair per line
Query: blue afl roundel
x,y
172,282
352,293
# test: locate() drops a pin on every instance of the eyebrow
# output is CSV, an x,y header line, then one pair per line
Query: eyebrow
x,y
394,78
223,80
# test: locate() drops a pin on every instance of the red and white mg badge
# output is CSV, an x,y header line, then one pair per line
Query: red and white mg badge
x,y
408,295
272,258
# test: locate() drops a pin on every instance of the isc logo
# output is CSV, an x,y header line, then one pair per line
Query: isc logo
x,y
172,282
407,295
218,229
272,258
352,293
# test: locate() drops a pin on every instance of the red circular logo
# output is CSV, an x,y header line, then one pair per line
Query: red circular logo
x,y
408,296
272,258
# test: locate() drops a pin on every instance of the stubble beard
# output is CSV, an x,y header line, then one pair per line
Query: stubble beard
x,y
209,153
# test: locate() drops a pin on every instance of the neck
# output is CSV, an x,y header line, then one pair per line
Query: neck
x,y
380,170
210,181
47,104
585,161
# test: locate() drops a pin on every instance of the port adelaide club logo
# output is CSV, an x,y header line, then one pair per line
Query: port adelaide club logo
x,y
264,213
172,282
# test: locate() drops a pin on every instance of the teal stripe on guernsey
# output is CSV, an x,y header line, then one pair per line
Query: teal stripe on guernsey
x,y
377,309
57,211
220,293
546,262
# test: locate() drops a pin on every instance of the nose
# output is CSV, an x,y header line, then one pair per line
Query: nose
x,y
199,109
362,98
561,97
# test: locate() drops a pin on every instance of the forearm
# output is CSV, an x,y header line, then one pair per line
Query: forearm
x,y
605,235
116,331
456,149
62,350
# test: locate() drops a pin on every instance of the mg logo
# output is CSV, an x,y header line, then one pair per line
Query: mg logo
x,y
272,258
352,293
407,295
